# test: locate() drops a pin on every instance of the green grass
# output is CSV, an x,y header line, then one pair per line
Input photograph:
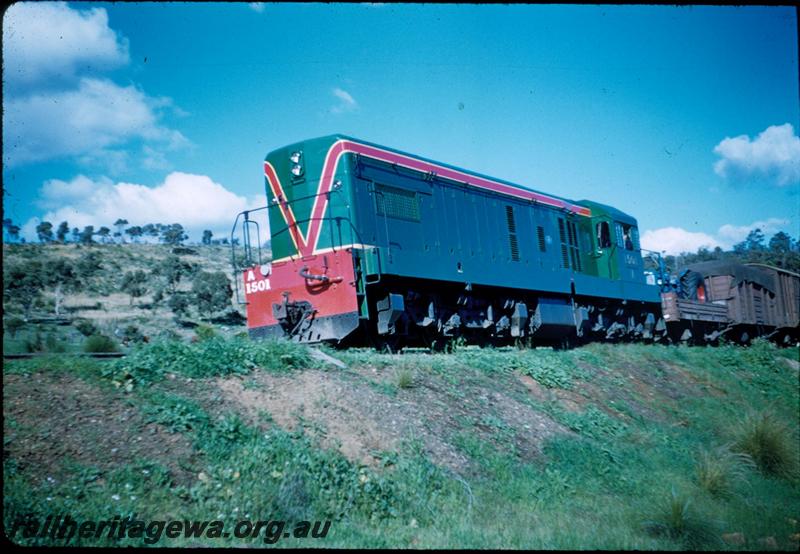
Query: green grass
x,y
648,474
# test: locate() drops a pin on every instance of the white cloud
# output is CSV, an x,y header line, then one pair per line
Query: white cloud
x,y
194,201
774,154
49,40
675,240
731,234
257,7
97,115
346,101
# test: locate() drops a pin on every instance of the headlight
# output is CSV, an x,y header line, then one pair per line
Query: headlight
x,y
295,157
266,269
297,170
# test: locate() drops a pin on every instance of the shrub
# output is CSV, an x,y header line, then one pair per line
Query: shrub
x,y
769,442
179,303
212,292
52,344
85,327
34,343
134,283
720,470
14,324
100,343
132,334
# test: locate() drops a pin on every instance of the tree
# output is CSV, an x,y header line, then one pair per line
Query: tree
x,y
174,234
76,234
212,292
119,224
207,234
45,231
172,269
151,230
135,284
135,232
62,276
62,232
755,240
780,243
86,235
10,231
104,233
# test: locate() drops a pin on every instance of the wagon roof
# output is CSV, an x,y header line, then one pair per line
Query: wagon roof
x,y
738,271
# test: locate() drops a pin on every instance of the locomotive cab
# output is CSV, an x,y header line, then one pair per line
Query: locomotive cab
x,y
615,244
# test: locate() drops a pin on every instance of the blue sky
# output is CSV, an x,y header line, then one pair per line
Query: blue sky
x,y
684,117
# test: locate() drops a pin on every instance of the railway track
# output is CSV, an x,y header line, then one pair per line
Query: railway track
x,y
101,355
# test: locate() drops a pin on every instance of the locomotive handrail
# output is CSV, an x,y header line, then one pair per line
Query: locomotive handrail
x,y
324,278
338,219
246,246
287,202
385,223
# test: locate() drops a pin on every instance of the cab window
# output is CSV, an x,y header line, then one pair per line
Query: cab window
x,y
603,235
627,237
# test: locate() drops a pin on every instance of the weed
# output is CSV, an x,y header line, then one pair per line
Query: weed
x,y
175,413
205,331
551,369
405,379
593,423
208,358
720,470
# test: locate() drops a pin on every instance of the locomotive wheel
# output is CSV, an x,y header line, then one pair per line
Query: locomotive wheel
x,y
387,344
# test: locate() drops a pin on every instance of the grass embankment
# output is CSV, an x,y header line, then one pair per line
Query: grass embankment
x,y
627,446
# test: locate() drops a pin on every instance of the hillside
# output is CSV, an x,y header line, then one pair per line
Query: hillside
x,y
59,286
625,446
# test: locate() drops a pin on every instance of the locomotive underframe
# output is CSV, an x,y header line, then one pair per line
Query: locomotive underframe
x,y
431,313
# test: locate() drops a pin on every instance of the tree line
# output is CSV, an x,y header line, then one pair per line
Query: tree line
x,y
779,251
171,234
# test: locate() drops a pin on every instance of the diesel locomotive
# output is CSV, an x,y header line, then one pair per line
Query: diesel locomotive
x,y
371,245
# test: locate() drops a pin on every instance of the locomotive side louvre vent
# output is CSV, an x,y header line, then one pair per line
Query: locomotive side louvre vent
x,y
512,233
540,236
573,246
562,235
397,203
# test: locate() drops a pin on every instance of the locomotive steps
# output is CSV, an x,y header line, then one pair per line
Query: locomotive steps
x,y
477,448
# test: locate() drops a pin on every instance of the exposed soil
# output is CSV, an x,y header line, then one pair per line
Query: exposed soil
x,y
361,420
52,418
